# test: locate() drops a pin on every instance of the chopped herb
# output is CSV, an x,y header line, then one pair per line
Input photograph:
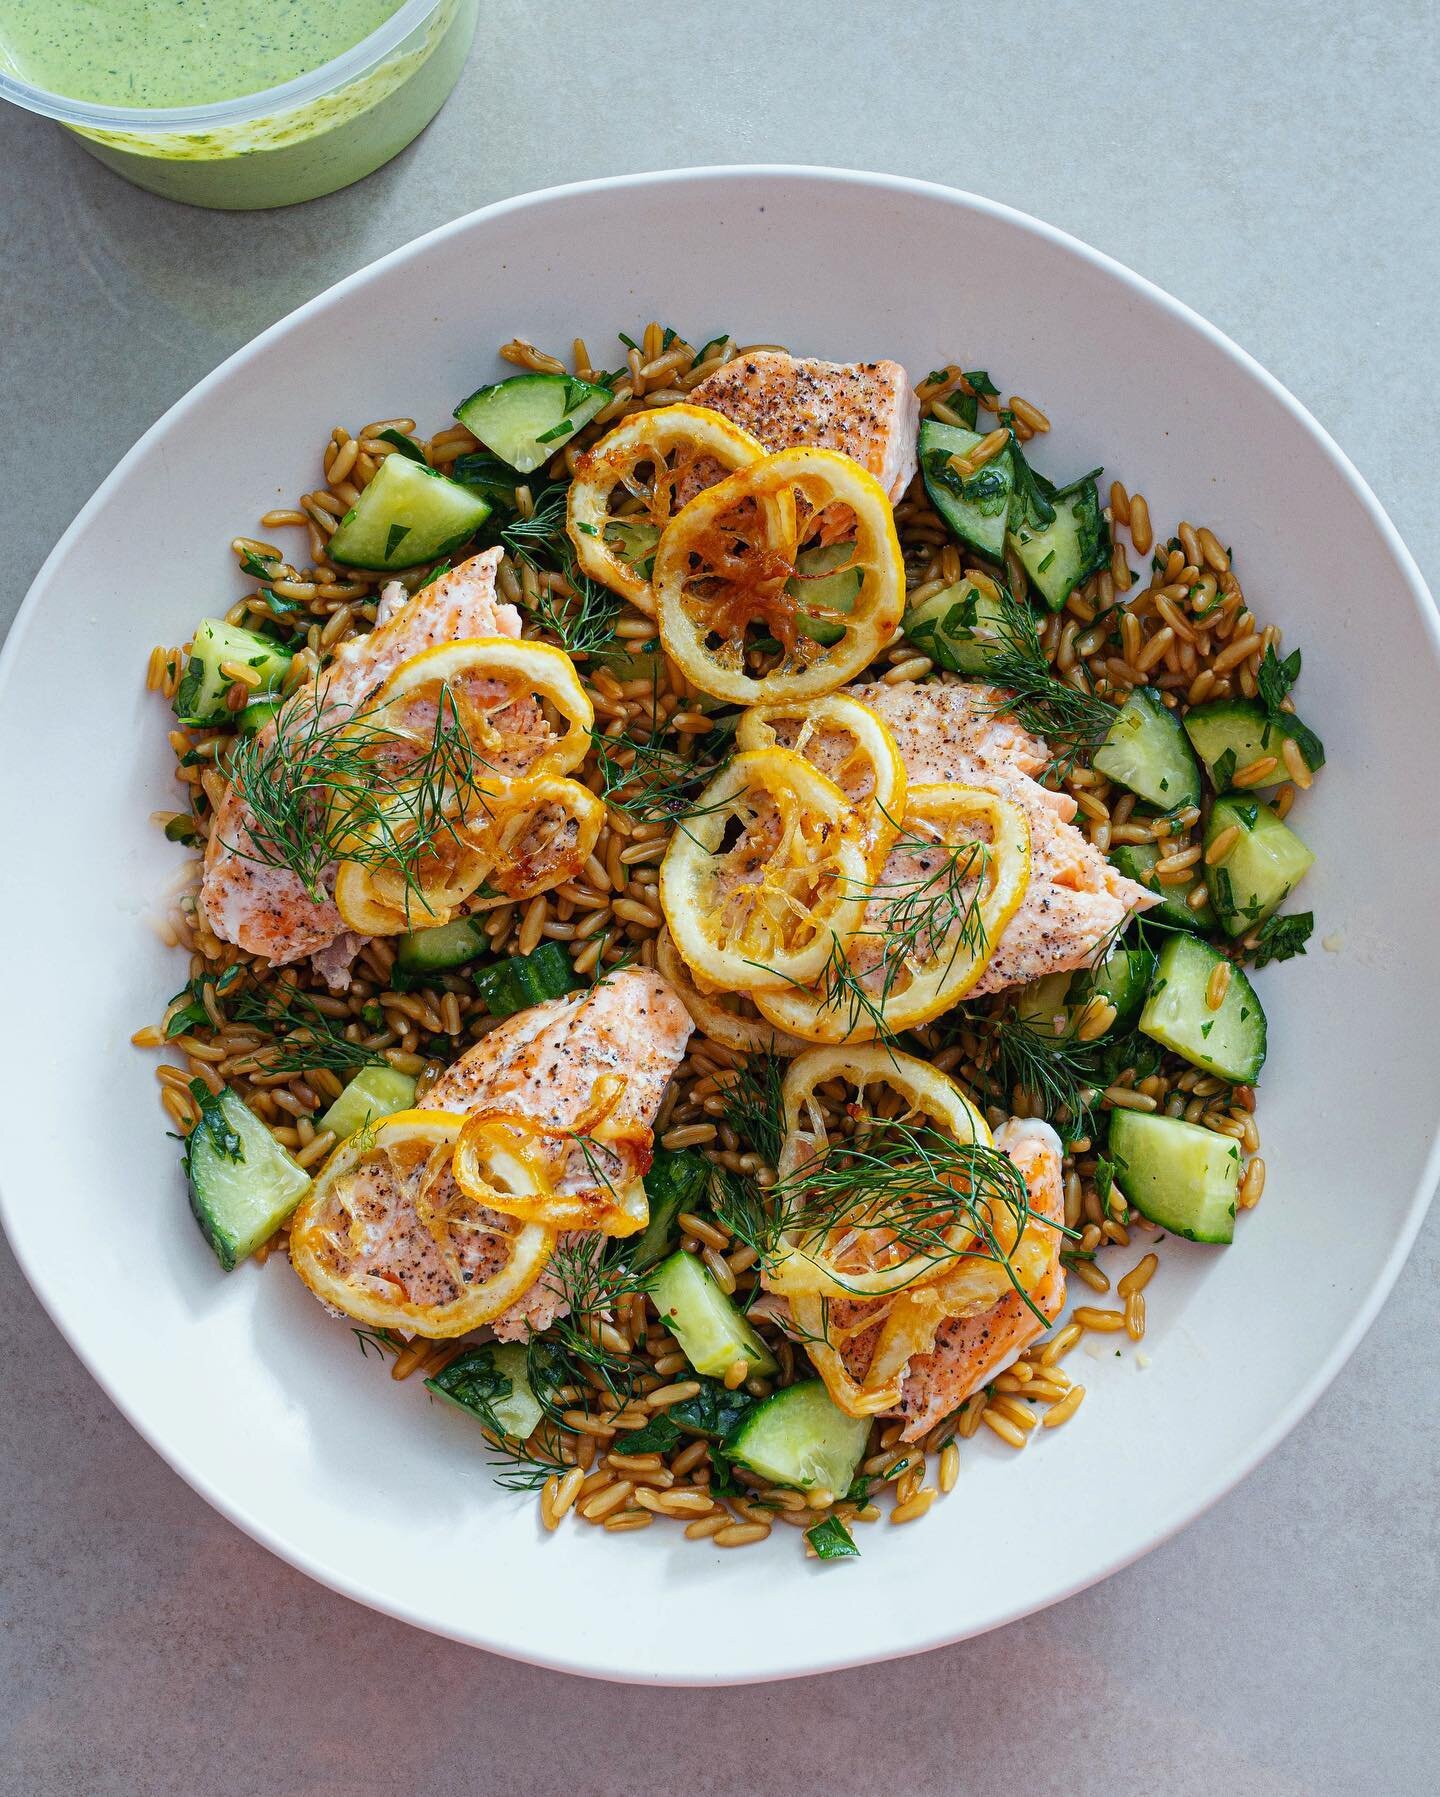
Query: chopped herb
x,y
657,1437
214,1125
1280,938
395,536
1224,770
980,383
407,446
832,1540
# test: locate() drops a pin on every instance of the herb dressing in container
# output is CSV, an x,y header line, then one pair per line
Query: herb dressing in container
x,y
236,103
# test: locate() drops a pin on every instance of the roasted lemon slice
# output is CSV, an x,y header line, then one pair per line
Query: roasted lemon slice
x,y
541,833
951,882
387,1236
633,481
877,1206
764,874
586,1175
732,610
729,1018
850,744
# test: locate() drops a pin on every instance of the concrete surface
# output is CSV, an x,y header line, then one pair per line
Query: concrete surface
x,y
1276,166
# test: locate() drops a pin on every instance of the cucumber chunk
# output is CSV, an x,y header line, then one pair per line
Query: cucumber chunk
x,y
375,1092
526,419
1044,1005
1261,870
1233,733
493,1384
1228,1042
1146,749
962,628
524,980
976,509
1178,1175
634,540
407,515
676,1181
1136,860
1123,978
822,583
438,950
800,1437
1061,554
243,1184
200,696
256,717
711,1332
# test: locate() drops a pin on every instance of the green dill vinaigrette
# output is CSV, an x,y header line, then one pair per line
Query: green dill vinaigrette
x,y
153,53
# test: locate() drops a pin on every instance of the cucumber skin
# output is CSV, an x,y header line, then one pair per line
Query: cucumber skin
x,y
1135,860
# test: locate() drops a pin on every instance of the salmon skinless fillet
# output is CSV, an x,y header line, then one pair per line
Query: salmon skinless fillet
x,y
971,1351
543,1063
266,910
1075,898
866,410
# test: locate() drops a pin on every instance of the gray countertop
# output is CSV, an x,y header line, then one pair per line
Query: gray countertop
x,y
1276,166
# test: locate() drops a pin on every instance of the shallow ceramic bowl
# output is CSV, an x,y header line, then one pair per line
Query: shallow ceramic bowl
x,y
263,1402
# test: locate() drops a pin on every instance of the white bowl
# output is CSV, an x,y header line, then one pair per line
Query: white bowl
x,y
263,1402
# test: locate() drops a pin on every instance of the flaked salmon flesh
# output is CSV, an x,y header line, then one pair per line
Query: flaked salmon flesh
x,y
1075,899
266,910
543,1063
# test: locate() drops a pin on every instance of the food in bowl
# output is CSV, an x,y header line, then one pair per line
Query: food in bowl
x,y
716,890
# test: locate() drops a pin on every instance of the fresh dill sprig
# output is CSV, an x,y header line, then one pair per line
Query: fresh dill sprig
x,y
376,1341
591,1279
305,1038
582,625
753,1105
650,780
1072,722
326,785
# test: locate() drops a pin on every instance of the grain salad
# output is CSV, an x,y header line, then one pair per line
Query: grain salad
x,y
720,904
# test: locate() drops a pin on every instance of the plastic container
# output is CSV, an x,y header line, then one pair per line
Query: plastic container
x,y
306,137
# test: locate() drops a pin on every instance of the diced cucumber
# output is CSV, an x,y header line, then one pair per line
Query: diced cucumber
x,y
1146,750
1264,866
492,1383
710,1330
634,540
822,583
1234,733
1136,860
524,980
438,950
375,1092
1178,1175
977,508
243,1184
1229,1041
961,629
256,717
1123,978
802,1438
677,1181
492,479
1059,555
407,515
1044,1005
200,696
526,419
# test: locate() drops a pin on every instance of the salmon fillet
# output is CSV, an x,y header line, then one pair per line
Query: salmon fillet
x,y
866,410
543,1063
1075,898
266,910
971,1351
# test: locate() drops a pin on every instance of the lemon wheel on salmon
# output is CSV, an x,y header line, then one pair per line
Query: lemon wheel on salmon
x,y
732,614
586,1175
389,1237
952,880
910,1233
634,480
849,743
764,874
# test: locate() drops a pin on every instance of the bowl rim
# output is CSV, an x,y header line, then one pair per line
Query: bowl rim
x,y
821,176
240,109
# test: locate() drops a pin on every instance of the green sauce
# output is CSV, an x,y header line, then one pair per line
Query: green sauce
x,y
177,52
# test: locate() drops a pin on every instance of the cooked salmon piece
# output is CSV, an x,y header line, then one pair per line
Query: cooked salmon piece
x,y
266,910
971,1351
1074,899
543,1063
866,410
